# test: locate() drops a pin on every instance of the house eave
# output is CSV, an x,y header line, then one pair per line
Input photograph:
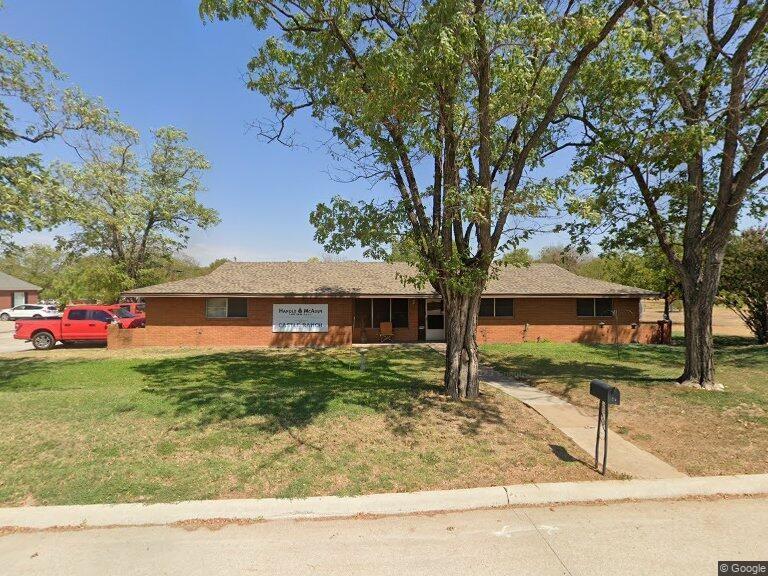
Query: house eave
x,y
374,295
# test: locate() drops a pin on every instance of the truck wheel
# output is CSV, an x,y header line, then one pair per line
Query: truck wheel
x,y
5,316
37,316
43,340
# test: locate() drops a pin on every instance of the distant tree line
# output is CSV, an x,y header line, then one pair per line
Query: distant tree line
x,y
66,277
743,287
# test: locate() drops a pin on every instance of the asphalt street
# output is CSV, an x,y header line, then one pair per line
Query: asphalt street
x,y
668,537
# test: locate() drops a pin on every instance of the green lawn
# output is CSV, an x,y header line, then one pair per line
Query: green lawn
x,y
86,426
699,432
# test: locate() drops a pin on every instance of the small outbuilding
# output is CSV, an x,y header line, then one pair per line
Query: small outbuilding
x,y
341,303
17,292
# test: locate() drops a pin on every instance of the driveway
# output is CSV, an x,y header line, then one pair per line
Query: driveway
x,y
623,539
7,343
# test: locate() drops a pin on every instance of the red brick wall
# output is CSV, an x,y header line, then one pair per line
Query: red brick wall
x,y
182,322
6,298
555,319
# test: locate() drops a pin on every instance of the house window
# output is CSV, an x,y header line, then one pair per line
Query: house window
x,y
504,307
399,312
380,311
363,312
237,307
371,312
499,307
226,307
591,307
19,298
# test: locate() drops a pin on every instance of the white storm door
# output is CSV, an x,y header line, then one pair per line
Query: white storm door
x,y
435,320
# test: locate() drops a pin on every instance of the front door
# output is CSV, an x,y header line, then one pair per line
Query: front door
x,y
435,318
19,298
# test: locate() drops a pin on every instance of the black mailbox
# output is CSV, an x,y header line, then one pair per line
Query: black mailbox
x,y
605,392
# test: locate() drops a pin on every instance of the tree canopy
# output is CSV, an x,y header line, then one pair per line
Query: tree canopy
x,y
136,209
450,104
34,106
744,287
673,138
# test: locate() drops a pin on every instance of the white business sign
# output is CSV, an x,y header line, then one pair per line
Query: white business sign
x,y
300,318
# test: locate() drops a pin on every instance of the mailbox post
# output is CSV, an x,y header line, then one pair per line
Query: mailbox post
x,y
607,394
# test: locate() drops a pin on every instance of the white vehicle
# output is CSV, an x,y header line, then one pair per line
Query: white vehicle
x,y
30,311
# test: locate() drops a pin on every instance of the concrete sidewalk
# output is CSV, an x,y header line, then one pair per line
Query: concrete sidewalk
x,y
619,539
42,517
623,457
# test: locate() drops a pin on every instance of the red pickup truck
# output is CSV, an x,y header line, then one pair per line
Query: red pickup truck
x,y
78,323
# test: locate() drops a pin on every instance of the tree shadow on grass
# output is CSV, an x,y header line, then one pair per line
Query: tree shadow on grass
x,y
292,389
573,367
721,340
576,373
14,373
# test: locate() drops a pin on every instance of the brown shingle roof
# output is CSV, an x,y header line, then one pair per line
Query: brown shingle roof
x,y
8,282
373,279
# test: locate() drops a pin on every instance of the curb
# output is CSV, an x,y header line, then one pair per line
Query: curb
x,y
103,515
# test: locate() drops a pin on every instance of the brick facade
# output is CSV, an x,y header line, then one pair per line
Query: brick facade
x,y
555,319
6,297
181,321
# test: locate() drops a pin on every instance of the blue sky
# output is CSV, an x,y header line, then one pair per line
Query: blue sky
x,y
156,63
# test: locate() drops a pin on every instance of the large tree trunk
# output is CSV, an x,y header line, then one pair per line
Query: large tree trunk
x,y
699,300
470,348
461,360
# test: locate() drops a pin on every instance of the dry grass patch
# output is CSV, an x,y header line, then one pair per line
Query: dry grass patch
x,y
174,426
699,432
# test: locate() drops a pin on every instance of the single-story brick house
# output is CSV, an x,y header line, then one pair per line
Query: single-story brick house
x,y
15,292
339,303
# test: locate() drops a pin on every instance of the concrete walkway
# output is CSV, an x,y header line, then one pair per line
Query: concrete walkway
x,y
100,515
623,457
